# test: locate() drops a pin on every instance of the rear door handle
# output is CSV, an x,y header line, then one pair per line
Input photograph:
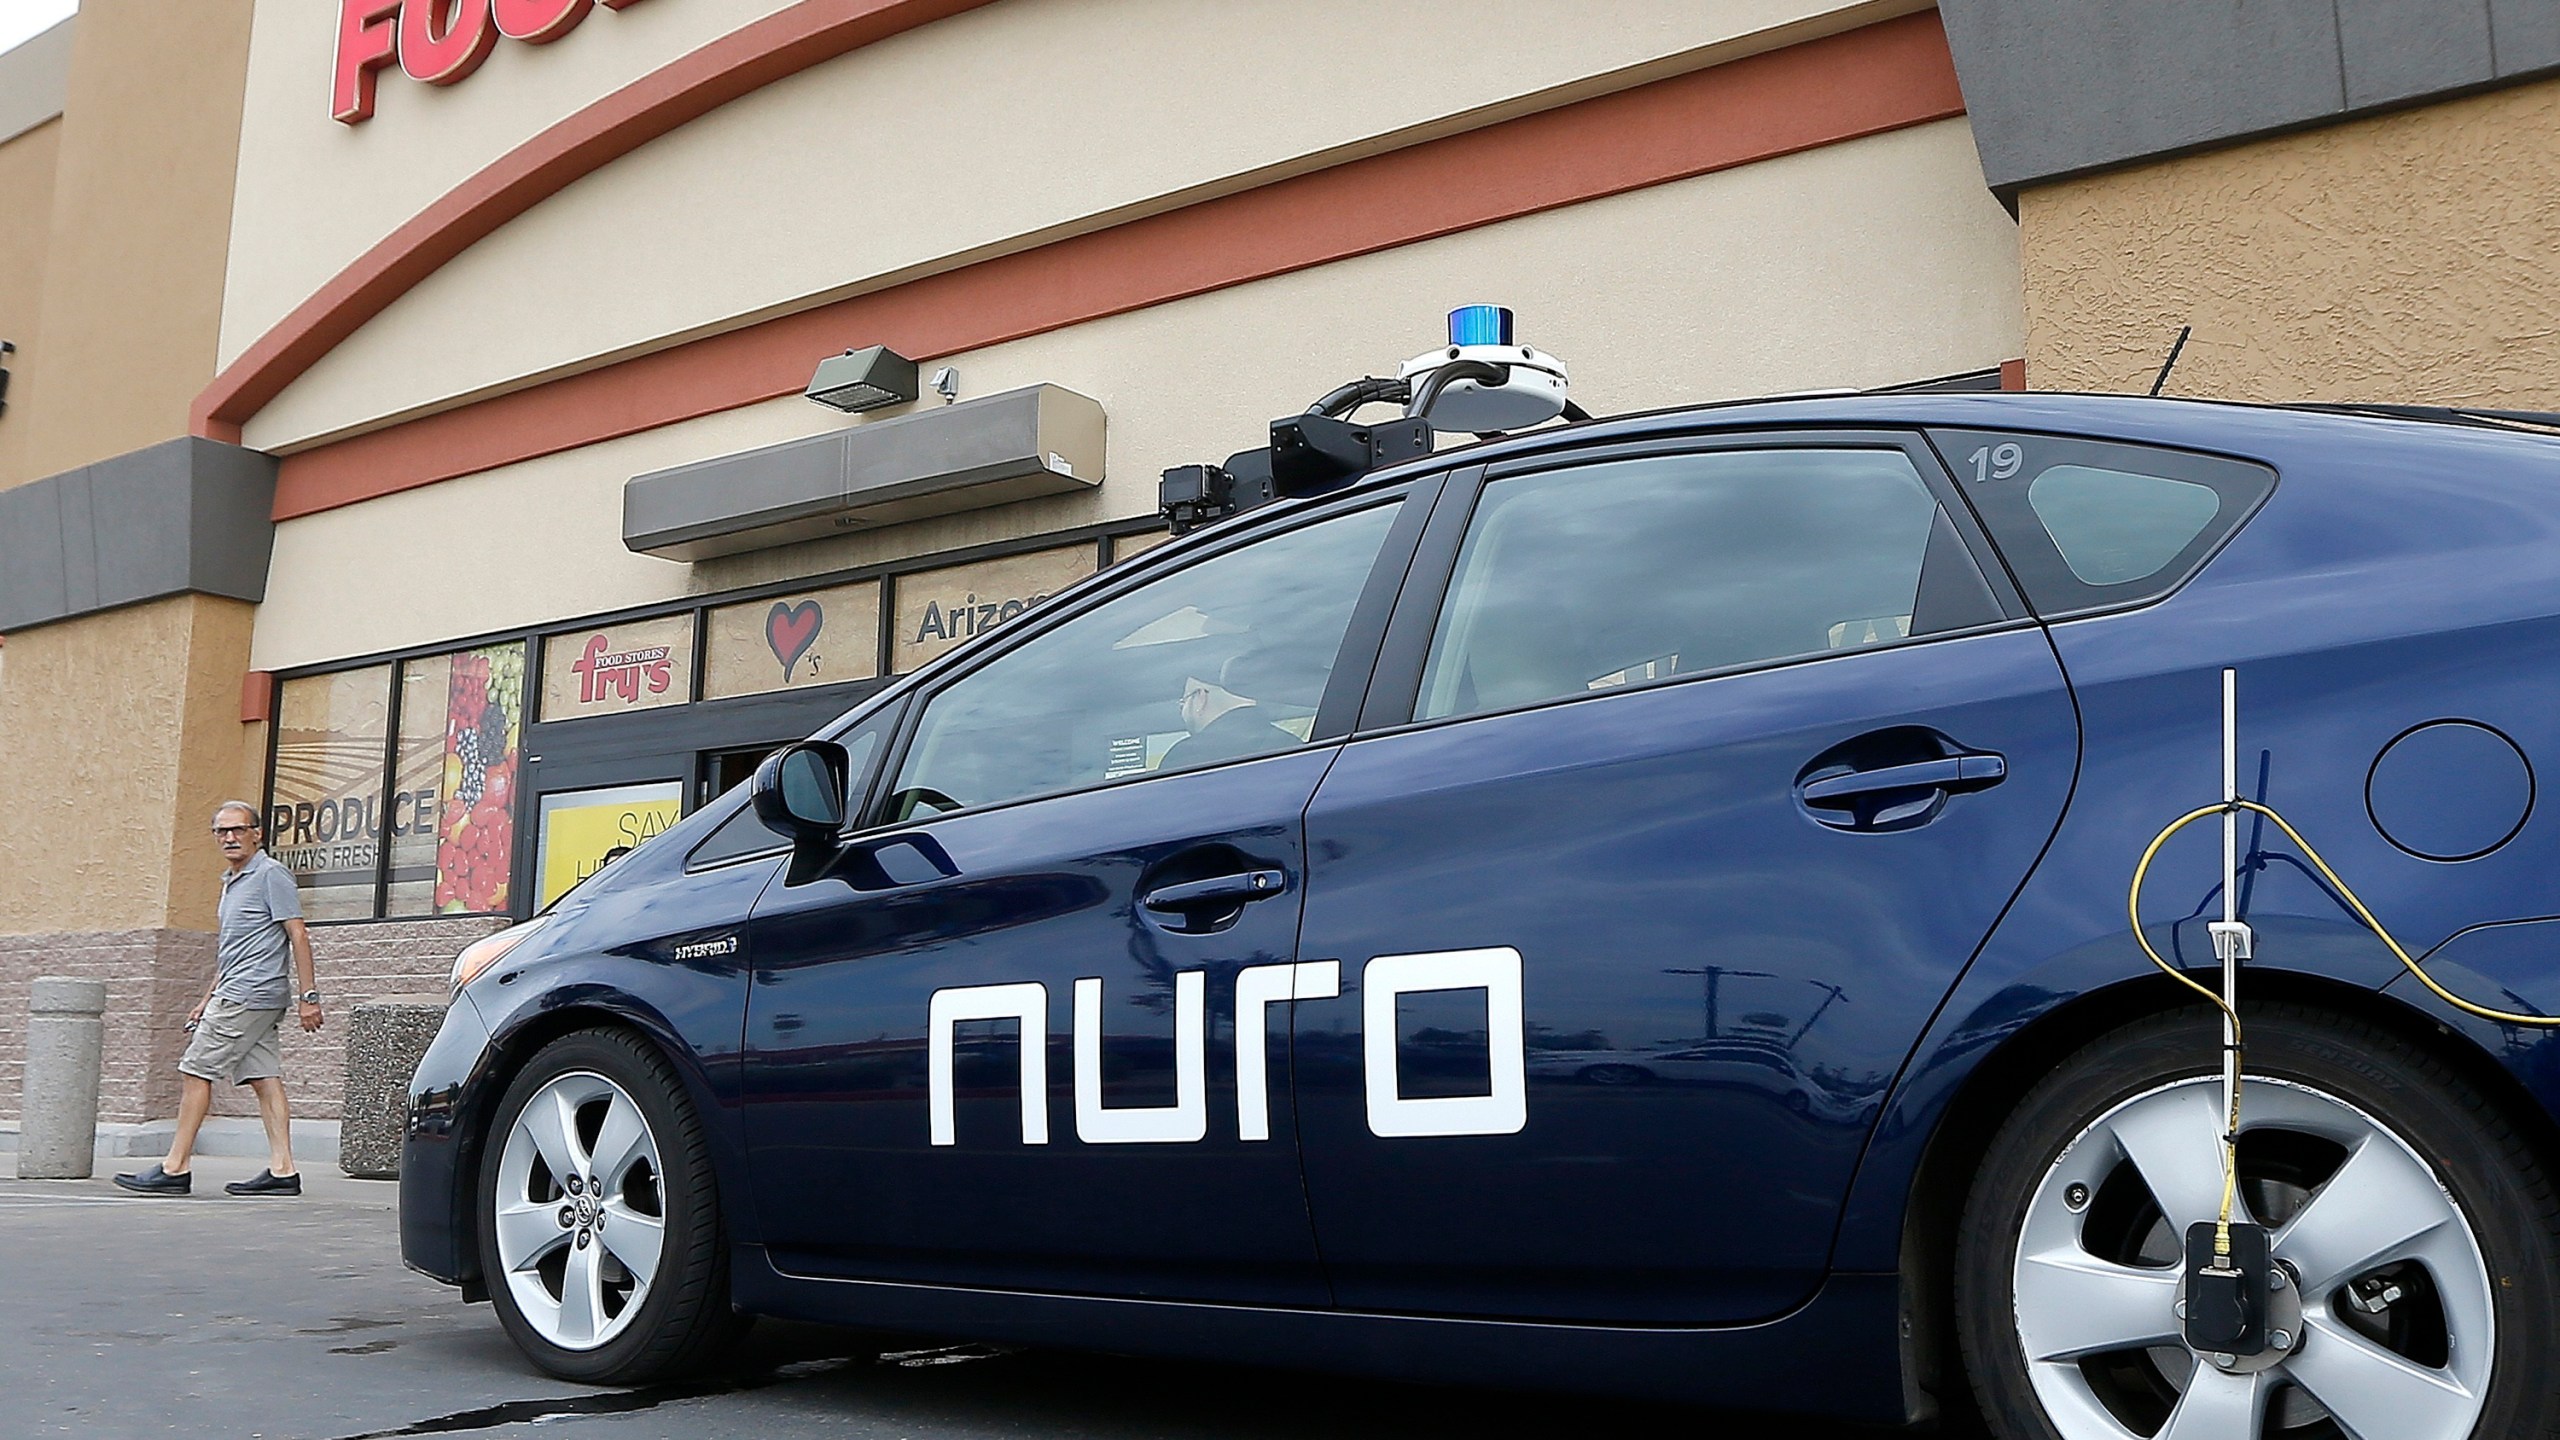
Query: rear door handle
x,y
1215,893
1953,772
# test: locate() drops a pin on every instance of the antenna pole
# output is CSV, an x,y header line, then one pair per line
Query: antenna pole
x,y
2231,946
2172,362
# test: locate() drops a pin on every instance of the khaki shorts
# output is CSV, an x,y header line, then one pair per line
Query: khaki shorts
x,y
234,1044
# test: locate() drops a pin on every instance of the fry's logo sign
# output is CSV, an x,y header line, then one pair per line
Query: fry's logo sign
x,y
626,673
1502,1110
439,42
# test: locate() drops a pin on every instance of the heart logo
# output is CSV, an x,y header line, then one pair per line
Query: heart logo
x,y
791,630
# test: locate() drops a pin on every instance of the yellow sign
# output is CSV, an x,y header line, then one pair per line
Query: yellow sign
x,y
583,829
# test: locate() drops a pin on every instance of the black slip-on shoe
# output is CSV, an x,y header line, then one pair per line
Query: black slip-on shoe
x,y
156,1181
267,1183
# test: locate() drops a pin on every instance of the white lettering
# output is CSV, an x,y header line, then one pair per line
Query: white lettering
x,y
1257,988
1502,1111
1185,1120
1028,1003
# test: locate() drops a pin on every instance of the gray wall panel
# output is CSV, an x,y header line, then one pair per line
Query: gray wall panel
x,y
2396,50
230,536
2060,87
31,582
2056,86
187,516
79,540
139,502
2526,34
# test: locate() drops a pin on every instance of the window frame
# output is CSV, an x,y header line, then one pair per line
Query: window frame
x,y
859,787
2035,548
1355,660
1396,690
854,698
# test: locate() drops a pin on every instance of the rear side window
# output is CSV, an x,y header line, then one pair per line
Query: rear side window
x,y
2089,525
1628,572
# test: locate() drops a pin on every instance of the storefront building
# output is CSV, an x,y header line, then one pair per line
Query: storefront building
x,y
510,306
131,550
558,545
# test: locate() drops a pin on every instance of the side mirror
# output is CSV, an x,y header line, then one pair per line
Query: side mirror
x,y
799,791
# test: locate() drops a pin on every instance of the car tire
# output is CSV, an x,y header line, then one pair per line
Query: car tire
x,y
618,1273
2067,1251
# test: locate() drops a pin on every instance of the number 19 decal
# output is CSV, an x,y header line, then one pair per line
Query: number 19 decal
x,y
1502,1110
1997,462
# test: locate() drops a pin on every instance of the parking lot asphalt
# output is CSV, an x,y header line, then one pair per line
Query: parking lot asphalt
x,y
293,1319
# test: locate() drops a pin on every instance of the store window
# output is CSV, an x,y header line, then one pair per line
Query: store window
x,y
619,668
473,731
440,837
938,609
817,637
324,807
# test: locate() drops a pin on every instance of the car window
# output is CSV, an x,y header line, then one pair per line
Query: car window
x,y
744,834
1632,571
2087,524
1222,659
2115,526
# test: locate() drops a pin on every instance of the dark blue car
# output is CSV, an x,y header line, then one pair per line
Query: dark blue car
x,y
1636,908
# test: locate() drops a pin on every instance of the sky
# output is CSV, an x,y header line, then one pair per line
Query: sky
x,y
23,19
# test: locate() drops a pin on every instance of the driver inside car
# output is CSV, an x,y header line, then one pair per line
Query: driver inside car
x,y
1234,716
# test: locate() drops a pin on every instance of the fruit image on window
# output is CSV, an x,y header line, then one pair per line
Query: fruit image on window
x,y
484,707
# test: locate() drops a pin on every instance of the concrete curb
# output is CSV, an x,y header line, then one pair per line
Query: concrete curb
x,y
315,1142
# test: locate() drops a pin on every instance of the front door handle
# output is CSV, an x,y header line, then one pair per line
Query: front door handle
x,y
1218,892
1953,772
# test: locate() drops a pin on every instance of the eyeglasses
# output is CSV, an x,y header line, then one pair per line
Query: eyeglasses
x,y
227,831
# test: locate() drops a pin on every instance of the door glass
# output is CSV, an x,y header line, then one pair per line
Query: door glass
x,y
585,830
1220,660
1604,576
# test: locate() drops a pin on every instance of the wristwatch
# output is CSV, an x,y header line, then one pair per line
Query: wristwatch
x,y
310,997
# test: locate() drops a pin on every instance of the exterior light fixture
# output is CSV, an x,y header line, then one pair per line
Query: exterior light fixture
x,y
860,380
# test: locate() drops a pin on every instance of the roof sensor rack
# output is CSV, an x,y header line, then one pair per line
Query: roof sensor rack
x,y
1482,383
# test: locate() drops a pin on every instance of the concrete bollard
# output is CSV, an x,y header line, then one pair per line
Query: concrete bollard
x,y
58,1115
386,1038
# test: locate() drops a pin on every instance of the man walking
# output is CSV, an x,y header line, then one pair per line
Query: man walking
x,y
235,1026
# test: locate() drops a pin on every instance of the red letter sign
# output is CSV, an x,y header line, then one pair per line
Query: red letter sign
x,y
539,22
443,41
365,44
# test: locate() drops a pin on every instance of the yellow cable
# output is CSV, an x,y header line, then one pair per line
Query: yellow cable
x,y
2231,1130
2231,1122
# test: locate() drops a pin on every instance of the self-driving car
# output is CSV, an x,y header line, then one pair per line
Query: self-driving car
x,y
1212,961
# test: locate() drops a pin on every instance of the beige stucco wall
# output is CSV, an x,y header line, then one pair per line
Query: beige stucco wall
x,y
132,297
2408,257
1864,263
123,733
984,133
26,229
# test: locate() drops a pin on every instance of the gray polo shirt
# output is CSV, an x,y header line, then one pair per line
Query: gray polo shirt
x,y
256,901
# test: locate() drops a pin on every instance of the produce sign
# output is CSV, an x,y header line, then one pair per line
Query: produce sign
x,y
483,709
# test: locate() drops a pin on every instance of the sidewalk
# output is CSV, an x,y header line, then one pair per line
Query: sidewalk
x,y
315,1142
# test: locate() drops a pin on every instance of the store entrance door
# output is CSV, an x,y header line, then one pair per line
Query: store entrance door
x,y
586,814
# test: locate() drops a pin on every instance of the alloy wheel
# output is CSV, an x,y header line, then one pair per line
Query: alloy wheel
x,y
580,1215
2384,1301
